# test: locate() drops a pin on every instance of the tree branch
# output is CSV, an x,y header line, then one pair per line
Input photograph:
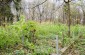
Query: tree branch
x,y
37,5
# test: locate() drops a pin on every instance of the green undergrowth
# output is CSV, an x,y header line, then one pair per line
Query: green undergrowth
x,y
36,38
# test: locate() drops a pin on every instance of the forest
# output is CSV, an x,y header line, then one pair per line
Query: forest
x,y
42,27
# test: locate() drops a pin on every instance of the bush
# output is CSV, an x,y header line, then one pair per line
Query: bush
x,y
12,35
9,37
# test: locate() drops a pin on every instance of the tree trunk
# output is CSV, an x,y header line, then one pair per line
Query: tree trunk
x,y
68,16
84,19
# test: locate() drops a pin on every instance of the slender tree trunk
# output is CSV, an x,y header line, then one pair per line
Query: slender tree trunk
x,y
69,24
84,19
40,15
33,14
68,16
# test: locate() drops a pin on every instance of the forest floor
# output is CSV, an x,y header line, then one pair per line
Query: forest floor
x,y
46,40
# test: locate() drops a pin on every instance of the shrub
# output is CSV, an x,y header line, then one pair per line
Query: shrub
x,y
12,35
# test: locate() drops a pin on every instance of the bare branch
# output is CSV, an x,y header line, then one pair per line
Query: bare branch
x,y
37,5
59,7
